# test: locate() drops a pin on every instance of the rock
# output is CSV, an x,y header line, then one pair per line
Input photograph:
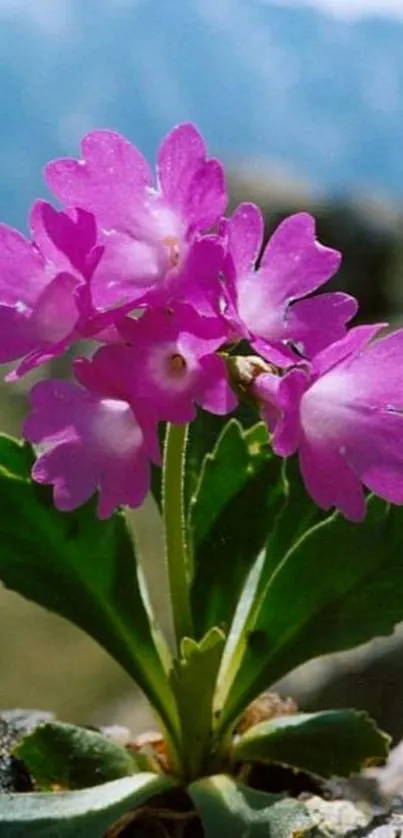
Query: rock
x,y
14,724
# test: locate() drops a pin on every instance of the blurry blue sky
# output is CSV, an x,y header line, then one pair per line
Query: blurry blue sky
x,y
351,8
54,15
284,84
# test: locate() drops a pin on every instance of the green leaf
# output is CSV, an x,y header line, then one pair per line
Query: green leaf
x,y
239,494
17,458
339,586
81,568
204,432
297,514
193,680
229,809
72,757
156,471
330,743
77,814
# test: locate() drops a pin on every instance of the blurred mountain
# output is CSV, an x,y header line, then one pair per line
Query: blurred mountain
x,y
319,97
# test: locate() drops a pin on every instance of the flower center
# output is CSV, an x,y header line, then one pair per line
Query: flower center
x,y
174,255
177,364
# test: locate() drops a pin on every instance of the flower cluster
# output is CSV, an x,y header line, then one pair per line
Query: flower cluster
x,y
164,287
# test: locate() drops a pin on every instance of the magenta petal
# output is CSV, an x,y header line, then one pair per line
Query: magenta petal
x,y
56,314
280,400
171,365
330,481
352,417
373,446
128,268
40,334
64,241
65,399
277,353
106,372
314,323
200,282
22,274
17,336
110,374
265,388
92,442
245,231
377,372
354,341
294,263
218,397
65,468
107,182
206,198
127,485
35,358
287,433
180,154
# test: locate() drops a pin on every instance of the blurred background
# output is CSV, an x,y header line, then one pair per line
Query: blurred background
x,y
304,103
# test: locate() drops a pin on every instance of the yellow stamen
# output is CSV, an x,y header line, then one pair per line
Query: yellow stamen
x,y
177,363
174,253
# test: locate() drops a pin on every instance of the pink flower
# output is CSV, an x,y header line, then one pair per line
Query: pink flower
x,y
344,416
147,231
44,291
93,440
171,363
270,306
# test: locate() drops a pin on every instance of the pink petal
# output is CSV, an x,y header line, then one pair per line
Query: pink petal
x,y
56,313
35,358
245,231
22,274
363,397
192,185
330,481
53,403
106,372
157,338
377,372
108,182
43,333
277,353
67,470
93,442
294,263
287,433
199,283
125,485
265,389
218,397
373,445
127,270
354,341
110,374
17,336
179,156
314,323
64,241
206,197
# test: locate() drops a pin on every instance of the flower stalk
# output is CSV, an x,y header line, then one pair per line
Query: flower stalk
x,y
176,551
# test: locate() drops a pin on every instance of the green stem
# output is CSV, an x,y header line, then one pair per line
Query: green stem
x,y
175,532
